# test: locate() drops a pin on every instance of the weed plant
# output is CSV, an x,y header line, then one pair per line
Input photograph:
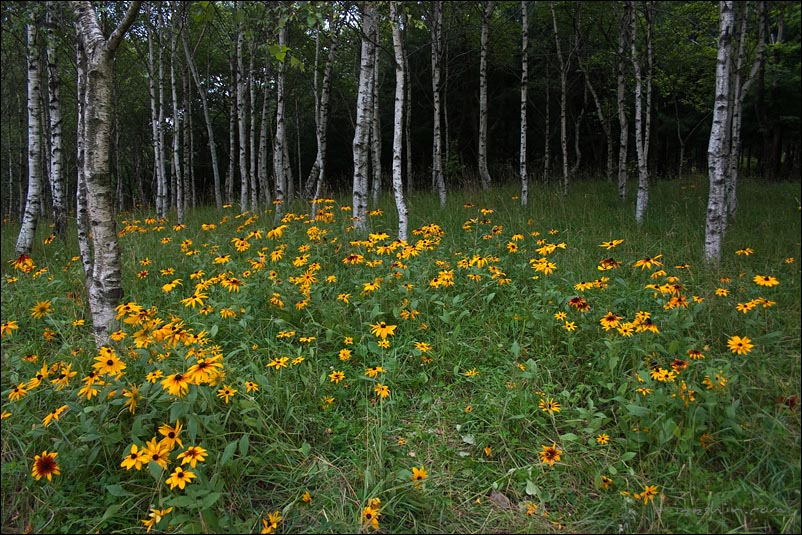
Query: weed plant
x,y
508,369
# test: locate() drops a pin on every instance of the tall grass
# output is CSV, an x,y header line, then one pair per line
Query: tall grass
x,y
496,361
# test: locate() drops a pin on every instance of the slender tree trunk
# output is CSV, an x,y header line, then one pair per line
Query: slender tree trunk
x,y
375,130
577,129
154,115
252,143
717,151
232,129
162,196
32,204
484,174
622,110
547,131
177,121
400,76
190,196
363,112
264,183
218,192
81,195
524,83
280,139
641,129
408,113
105,284
438,179
740,91
563,104
242,118
57,184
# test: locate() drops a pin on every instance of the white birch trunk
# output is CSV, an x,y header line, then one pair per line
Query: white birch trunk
x,y
398,125
641,131
81,207
161,191
408,114
243,122
740,94
254,188
375,131
563,104
280,138
218,192
57,185
484,174
717,149
622,111
177,121
363,113
232,129
438,179
34,198
524,83
264,184
105,284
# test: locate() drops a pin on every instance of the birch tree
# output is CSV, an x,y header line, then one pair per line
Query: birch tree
x,y
642,118
739,90
563,92
218,192
718,149
57,185
177,119
34,198
484,174
375,128
242,120
264,187
438,179
104,281
524,82
280,139
623,35
364,109
398,126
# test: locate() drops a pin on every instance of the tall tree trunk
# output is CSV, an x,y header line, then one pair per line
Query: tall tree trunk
x,y
242,118
105,285
623,35
57,184
407,110
232,129
364,110
280,139
484,174
252,143
190,196
177,120
740,91
563,106
718,147
81,195
375,130
398,132
641,129
264,183
524,83
34,198
438,179
218,192
162,196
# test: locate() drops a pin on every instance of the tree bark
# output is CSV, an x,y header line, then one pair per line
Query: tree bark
x,y
33,200
400,76
264,183
254,187
717,151
438,178
280,139
524,83
57,185
484,174
375,130
363,113
177,121
563,97
242,120
622,110
105,284
218,192
641,129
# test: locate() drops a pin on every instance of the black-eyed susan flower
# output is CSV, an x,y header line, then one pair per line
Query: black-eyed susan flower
x,y
606,482
765,280
54,415
418,475
382,330
602,438
549,405
740,346
107,362
135,458
270,525
550,454
45,465
193,455
8,327
648,494
336,376
176,384
41,309
179,478
383,391
226,392
156,452
155,516
171,435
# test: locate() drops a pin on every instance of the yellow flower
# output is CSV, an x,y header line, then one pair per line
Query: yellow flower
x,y
179,478
549,405
134,459
382,330
306,498
603,438
8,328
193,455
765,280
418,475
648,494
336,376
382,391
41,309
156,516
45,465
226,392
550,454
740,346
271,524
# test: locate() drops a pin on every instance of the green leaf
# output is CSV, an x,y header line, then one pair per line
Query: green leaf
x,y
628,456
515,348
228,452
305,449
568,437
117,490
531,488
244,443
637,410
210,500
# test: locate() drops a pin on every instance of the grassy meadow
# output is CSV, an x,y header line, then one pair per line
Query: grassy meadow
x,y
554,368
